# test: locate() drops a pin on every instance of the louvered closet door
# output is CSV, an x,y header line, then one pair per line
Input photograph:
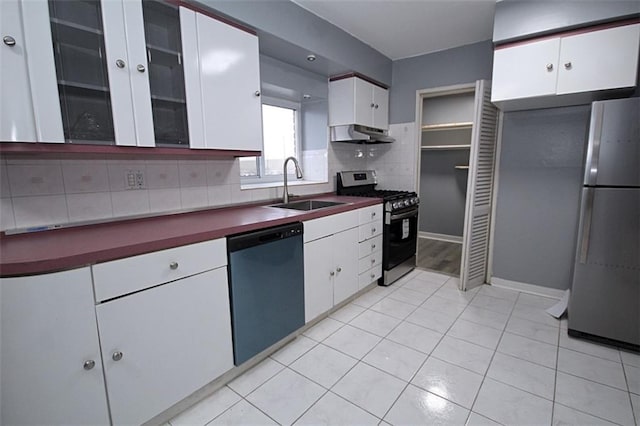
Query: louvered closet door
x,y
477,220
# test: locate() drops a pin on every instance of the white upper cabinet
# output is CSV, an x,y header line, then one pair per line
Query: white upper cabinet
x,y
22,120
567,65
356,101
222,76
599,60
525,71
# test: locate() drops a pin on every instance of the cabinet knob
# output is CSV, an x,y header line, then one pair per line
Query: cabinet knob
x,y
89,364
339,269
257,93
9,41
373,214
549,67
373,276
373,261
120,63
373,246
567,66
332,273
376,107
373,105
373,230
117,356
173,265
140,68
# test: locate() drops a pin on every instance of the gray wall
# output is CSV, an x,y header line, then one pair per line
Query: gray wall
x,y
443,191
290,32
463,64
516,19
541,169
282,80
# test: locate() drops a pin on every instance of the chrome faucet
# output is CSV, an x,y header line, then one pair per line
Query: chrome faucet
x,y
285,197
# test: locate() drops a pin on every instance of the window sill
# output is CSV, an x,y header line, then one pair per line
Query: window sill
x,y
279,184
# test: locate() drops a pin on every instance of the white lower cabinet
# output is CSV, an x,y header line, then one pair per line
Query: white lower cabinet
x,y
50,364
66,360
330,271
162,344
370,245
333,257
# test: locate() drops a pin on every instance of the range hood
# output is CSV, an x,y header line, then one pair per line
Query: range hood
x,y
356,133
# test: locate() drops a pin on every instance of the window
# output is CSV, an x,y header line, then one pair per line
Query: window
x,y
280,139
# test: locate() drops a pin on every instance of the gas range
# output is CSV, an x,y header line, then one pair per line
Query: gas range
x,y
400,226
362,184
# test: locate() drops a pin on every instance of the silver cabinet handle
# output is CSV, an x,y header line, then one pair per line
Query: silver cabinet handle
x,y
117,356
89,364
173,265
332,273
257,93
567,66
140,68
549,67
120,63
9,41
339,269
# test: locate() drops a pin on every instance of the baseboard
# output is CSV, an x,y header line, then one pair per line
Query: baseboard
x,y
527,288
440,237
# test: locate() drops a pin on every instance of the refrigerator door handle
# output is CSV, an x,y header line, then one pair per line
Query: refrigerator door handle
x,y
587,210
593,149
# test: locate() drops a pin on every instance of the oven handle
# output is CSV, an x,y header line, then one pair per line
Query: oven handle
x,y
404,215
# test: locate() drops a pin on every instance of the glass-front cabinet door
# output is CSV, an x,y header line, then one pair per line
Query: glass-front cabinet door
x,y
119,70
81,70
166,73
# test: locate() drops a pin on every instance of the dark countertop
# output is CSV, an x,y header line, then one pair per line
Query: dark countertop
x,y
74,247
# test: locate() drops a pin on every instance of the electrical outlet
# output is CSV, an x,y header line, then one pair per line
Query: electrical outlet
x,y
134,179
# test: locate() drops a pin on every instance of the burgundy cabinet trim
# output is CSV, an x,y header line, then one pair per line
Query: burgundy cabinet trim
x,y
569,33
213,15
68,150
360,76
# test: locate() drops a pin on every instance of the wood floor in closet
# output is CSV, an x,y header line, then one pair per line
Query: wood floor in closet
x,y
441,256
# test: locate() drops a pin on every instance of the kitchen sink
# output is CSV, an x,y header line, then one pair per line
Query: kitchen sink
x,y
307,205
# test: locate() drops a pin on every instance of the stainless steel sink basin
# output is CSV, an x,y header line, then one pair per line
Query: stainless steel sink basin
x,y
308,205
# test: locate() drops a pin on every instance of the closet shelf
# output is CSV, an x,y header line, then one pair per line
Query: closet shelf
x,y
447,126
442,147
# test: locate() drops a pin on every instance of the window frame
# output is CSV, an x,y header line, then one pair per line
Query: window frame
x,y
261,178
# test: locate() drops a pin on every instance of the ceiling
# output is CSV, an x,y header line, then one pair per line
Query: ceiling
x,y
403,28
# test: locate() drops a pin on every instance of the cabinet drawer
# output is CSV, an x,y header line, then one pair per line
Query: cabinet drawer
x,y
372,245
123,276
370,229
369,261
369,214
367,277
323,226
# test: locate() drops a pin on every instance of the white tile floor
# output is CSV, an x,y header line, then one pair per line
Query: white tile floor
x,y
420,352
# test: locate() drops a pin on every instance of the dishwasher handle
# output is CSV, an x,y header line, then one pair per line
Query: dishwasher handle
x,y
263,236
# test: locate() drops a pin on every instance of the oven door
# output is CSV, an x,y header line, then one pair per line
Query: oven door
x,y
400,237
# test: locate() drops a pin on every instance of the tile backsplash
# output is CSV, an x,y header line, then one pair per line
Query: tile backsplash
x,y
39,192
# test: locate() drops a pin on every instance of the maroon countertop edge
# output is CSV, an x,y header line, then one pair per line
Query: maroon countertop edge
x,y
74,247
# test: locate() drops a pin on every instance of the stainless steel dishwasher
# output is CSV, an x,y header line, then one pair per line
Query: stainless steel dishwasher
x,y
266,282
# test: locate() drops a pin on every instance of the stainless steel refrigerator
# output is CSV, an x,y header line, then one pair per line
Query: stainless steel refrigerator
x,y
605,295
